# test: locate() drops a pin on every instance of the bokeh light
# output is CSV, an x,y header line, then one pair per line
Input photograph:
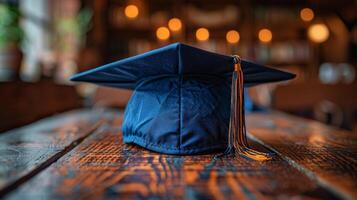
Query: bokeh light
x,y
265,35
307,14
175,24
202,34
162,33
131,11
232,36
318,33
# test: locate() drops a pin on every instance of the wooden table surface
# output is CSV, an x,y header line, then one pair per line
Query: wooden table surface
x,y
80,155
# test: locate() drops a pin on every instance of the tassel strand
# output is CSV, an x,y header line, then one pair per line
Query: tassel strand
x,y
237,137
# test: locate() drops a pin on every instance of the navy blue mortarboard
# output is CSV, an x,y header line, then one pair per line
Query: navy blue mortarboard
x,y
181,102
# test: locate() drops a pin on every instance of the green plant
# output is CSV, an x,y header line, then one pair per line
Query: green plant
x,y
77,26
10,30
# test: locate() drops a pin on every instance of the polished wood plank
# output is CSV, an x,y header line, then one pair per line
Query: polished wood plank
x,y
326,154
103,167
27,150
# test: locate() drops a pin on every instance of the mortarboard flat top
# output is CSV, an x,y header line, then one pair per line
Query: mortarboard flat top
x,y
181,98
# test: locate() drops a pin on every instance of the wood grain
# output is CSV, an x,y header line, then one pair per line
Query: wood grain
x,y
26,151
103,167
324,153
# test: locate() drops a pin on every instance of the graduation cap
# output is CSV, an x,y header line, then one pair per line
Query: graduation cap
x,y
185,100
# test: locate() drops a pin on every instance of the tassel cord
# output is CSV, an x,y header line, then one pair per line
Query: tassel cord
x,y
237,138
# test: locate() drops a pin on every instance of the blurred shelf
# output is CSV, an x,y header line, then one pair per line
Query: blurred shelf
x,y
26,102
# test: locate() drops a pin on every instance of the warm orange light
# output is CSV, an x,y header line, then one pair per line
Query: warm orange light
x,y
265,35
162,33
318,33
175,24
131,11
232,37
307,14
202,34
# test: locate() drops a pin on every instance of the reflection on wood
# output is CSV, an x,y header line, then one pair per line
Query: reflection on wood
x,y
328,155
103,167
26,151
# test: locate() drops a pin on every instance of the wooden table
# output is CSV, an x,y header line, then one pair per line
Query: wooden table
x,y
80,155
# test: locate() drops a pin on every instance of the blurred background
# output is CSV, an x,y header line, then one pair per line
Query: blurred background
x,y
44,42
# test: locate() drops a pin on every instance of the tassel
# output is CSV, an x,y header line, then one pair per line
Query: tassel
x,y
237,138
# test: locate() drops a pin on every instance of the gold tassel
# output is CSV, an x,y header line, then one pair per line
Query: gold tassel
x,y
237,138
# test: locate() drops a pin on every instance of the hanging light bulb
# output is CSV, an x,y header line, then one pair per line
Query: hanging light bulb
x,y
307,14
232,37
175,24
162,33
131,11
318,33
202,34
265,35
